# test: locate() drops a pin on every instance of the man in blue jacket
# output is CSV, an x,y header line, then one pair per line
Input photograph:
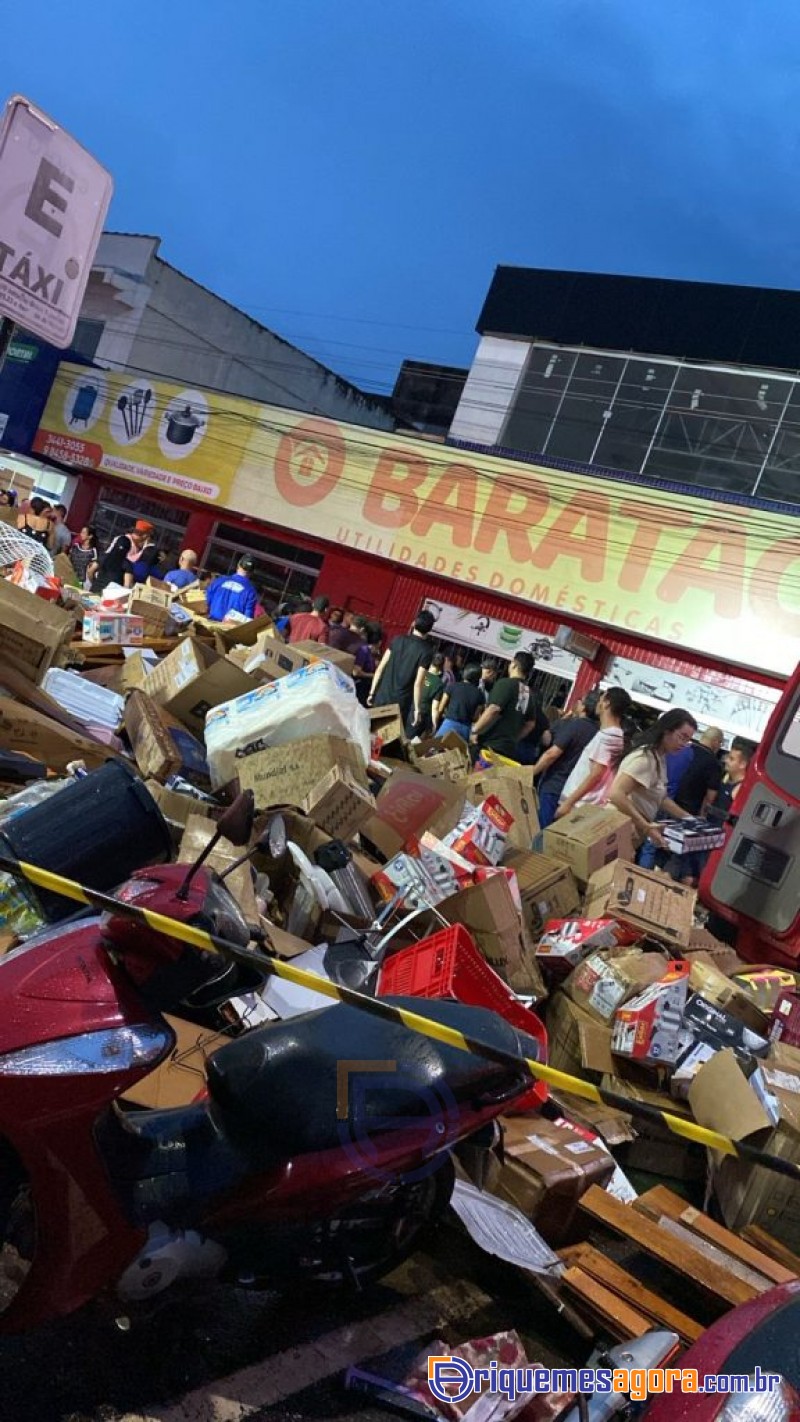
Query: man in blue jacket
x,y
232,592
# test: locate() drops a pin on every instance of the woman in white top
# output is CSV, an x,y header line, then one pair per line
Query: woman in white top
x,y
591,779
640,786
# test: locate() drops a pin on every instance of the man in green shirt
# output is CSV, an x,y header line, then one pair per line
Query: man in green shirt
x,y
510,714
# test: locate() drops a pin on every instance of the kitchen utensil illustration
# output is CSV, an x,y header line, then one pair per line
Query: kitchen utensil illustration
x,y
122,406
182,425
148,395
83,404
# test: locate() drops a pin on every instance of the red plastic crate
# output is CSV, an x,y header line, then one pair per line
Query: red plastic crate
x,y
448,964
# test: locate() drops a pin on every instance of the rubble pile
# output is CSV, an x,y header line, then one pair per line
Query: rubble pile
x,y
409,871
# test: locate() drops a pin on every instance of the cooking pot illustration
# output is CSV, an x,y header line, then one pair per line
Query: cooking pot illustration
x,y
182,425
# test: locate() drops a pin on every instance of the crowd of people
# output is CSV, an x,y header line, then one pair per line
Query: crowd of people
x,y
593,754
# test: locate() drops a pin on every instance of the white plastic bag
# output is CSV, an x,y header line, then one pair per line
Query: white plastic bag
x,y
317,700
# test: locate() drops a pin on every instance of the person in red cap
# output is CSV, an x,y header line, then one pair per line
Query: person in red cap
x,y
118,563
144,555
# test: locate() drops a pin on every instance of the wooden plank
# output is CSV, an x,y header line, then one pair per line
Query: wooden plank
x,y
606,1272
617,1317
662,1201
762,1239
654,1240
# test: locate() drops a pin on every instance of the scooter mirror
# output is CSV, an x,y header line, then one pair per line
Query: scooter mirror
x,y
236,824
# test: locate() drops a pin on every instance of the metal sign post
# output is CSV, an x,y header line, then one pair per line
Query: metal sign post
x,y
54,197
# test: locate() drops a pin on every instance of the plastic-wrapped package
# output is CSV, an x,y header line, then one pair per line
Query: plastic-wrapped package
x,y
316,700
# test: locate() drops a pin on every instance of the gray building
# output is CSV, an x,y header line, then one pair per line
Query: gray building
x,y
140,312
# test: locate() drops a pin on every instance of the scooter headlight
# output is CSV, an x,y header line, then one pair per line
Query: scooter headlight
x,y
781,1404
117,1049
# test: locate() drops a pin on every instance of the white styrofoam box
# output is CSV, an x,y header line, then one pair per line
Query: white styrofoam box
x,y
317,700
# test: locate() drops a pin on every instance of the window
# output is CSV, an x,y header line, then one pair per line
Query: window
x,y
117,510
715,427
281,569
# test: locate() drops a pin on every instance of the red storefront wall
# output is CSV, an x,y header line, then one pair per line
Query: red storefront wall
x,y
361,582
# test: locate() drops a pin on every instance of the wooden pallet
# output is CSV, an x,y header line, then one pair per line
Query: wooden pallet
x,y
590,1261
721,1267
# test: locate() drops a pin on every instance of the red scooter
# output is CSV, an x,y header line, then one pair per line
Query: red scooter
x,y
264,1179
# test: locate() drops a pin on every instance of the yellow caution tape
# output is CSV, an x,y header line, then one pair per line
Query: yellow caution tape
x,y
415,1022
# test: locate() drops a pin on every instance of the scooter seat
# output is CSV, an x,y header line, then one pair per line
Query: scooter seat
x,y
277,1088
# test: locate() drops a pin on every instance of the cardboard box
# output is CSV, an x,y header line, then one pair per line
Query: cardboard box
x,y
648,1028
243,634
339,804
481,833
33,631
606,979
653,904
764,984
161,745
194,600
153,606
714,986
441,756
177,807
547,887
285,775
514,788
590,837
489,912
33,733
118,629
313,651
272,658
566,941
192,679
693,836
722,1099
63,569
198,834
687,1068
386,722
709,1023
407,805
181,1078
134,673
563,1019
785,1022
547,1167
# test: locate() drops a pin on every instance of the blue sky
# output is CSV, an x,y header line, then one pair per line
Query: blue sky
x,y
351,171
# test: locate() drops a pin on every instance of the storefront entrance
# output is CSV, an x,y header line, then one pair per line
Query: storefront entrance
x,y
281,570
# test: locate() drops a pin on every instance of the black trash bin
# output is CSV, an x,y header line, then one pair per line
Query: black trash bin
x,y
96,830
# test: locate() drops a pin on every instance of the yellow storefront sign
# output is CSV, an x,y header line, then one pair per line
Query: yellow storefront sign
x,y
692,572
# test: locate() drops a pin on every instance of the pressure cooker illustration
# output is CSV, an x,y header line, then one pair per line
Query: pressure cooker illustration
x,y
83,404
182,425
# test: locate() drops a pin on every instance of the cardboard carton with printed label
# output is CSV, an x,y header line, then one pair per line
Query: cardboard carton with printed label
x,y
192,679
33,632
652,904
547,887
286,774
648,1028
588,838
513,787
607,978
339,803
